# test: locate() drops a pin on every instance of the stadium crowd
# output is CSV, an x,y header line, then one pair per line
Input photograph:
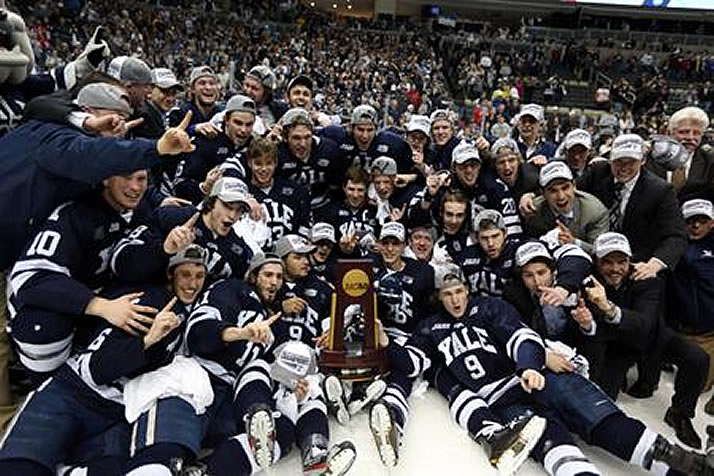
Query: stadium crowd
x,y
179,184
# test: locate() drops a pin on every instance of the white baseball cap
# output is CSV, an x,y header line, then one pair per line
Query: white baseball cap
x,y
419,123
489,215
698,207
447,275
553,171
531,250
534,110
231,189
609,242
384,166
578,137
464,152
627,146
322,231
393,229
164,78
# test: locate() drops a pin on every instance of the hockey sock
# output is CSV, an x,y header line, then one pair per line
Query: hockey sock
x,y
559,454
397,401
159,459
471,412
254,386
312,419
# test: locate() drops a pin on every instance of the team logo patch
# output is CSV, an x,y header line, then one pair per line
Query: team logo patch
x,y
347,146
222,150
323,162
343,213
311,292
237,249
114,227
288,191
289,165
407,279
382,148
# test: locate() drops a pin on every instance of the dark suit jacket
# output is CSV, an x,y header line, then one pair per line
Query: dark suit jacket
x,y
653,221
700,179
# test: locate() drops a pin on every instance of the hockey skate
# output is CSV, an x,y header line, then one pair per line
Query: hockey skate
x,y
335,397
372,393
317,461
260,426
508,446
386,433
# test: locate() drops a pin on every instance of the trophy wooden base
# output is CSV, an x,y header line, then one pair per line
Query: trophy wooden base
x,y
365,366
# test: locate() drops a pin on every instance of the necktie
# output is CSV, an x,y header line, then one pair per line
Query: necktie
x,y
565,220
615,217
679,178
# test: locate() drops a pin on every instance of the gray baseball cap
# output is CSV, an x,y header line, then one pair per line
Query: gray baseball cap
x,y
628,146
322,231
504,143
364,113
447,275
104,96
130,69
261,259
191,254
240,103
393,229
264,75
295,117
384,166
199,72
293,244
489,216
697,207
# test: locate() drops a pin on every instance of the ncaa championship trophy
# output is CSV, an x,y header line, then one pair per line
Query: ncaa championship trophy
x,y
353,352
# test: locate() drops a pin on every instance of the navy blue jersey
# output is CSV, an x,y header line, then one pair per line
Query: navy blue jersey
x,y
488,277
384,143
322,172
68,259
286,209
442,153
455,244
44,165
209,153
114,356
491,193
227,303
403,297
346,220
176,115
485,350
228,256
308,324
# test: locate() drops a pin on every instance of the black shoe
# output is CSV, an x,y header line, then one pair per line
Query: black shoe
x,y
677,458
640,390
682,425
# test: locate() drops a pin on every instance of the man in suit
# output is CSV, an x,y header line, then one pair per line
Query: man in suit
x,y
694,178
565,213
641,206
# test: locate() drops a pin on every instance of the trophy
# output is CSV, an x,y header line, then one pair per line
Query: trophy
x,y
353,351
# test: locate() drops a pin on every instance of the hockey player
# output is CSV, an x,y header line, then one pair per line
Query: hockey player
x,y
306,304
260,84
218,156
391,201
323,259
230,335
203,86
88,429
313,162
353,218
362,143
53,284
283,201
229,255
443,138
496,362
489,263
58,168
